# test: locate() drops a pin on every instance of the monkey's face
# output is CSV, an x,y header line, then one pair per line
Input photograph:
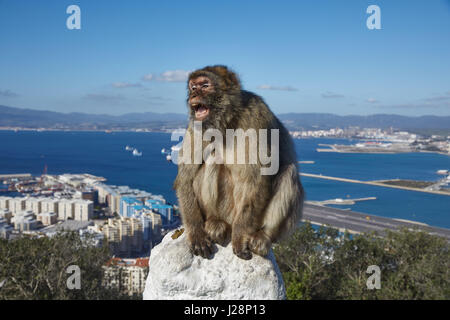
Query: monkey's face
x,y
201,96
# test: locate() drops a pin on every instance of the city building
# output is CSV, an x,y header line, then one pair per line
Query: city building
x,y
66,209
49,205
127,205
138,228
152,225
165,210
16,204
47,218
24,221
112,195
125,235
34,205
6,215
103,190
5,228
4,202
83,210
126,275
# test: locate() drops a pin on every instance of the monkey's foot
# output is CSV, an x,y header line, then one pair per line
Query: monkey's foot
x,y
260,243
241,247
218,230
200,244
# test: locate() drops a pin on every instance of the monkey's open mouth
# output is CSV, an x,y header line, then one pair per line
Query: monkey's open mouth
x,y
201,111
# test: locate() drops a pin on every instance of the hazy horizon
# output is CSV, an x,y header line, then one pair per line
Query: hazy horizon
x,y
186,114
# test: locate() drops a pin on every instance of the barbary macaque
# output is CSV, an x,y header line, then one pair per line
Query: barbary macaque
x,y
231,200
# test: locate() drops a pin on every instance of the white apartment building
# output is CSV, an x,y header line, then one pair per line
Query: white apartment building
x,y
124,235
16,205
126,275
66,209
47,218
34,205
24,221
83,210
6,215
102,190
4,202
49,205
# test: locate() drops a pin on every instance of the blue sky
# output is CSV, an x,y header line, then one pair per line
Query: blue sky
x,y
300,56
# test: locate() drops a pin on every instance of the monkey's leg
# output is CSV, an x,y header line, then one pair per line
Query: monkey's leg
x,y
192,217
218,230
199,241
249,216
284,210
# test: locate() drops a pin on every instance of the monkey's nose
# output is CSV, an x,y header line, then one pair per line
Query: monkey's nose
x,y
195,100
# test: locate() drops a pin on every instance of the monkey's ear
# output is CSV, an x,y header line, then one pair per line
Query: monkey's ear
x,y
233,81
230,79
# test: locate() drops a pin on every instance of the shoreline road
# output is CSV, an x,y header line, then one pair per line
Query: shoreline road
x,y
356,222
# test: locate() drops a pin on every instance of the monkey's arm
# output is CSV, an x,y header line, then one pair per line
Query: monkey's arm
x,y
191,214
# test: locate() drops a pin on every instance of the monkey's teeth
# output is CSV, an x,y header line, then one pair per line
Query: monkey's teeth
x,y
201,112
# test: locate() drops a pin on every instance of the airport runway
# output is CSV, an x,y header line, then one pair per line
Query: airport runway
x,y
356,222
373,183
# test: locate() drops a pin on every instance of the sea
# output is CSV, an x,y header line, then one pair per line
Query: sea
x,y
103,154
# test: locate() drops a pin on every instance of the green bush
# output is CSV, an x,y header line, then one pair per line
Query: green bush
x,y
325,265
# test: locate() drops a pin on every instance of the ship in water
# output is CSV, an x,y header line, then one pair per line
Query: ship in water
x,y
128,148
172,155
137,153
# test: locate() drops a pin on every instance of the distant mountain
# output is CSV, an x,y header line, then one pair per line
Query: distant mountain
x,y
328,120
30,118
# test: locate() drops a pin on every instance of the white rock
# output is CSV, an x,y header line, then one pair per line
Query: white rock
x,y
176,274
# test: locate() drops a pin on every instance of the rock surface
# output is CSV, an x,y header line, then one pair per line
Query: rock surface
x,y
175,273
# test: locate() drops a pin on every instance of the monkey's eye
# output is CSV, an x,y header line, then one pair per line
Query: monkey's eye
x,y
205,85
193,87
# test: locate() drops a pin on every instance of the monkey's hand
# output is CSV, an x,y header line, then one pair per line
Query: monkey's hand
x,y
218,231
260,243
244,244
240,244
200,244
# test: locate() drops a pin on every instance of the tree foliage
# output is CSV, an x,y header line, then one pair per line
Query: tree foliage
x,y
36,268
325,265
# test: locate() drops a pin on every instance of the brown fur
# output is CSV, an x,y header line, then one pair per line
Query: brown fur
x,y
219,202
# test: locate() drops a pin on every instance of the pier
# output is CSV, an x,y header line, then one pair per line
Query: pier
x,y
373,183
355,222
15,176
